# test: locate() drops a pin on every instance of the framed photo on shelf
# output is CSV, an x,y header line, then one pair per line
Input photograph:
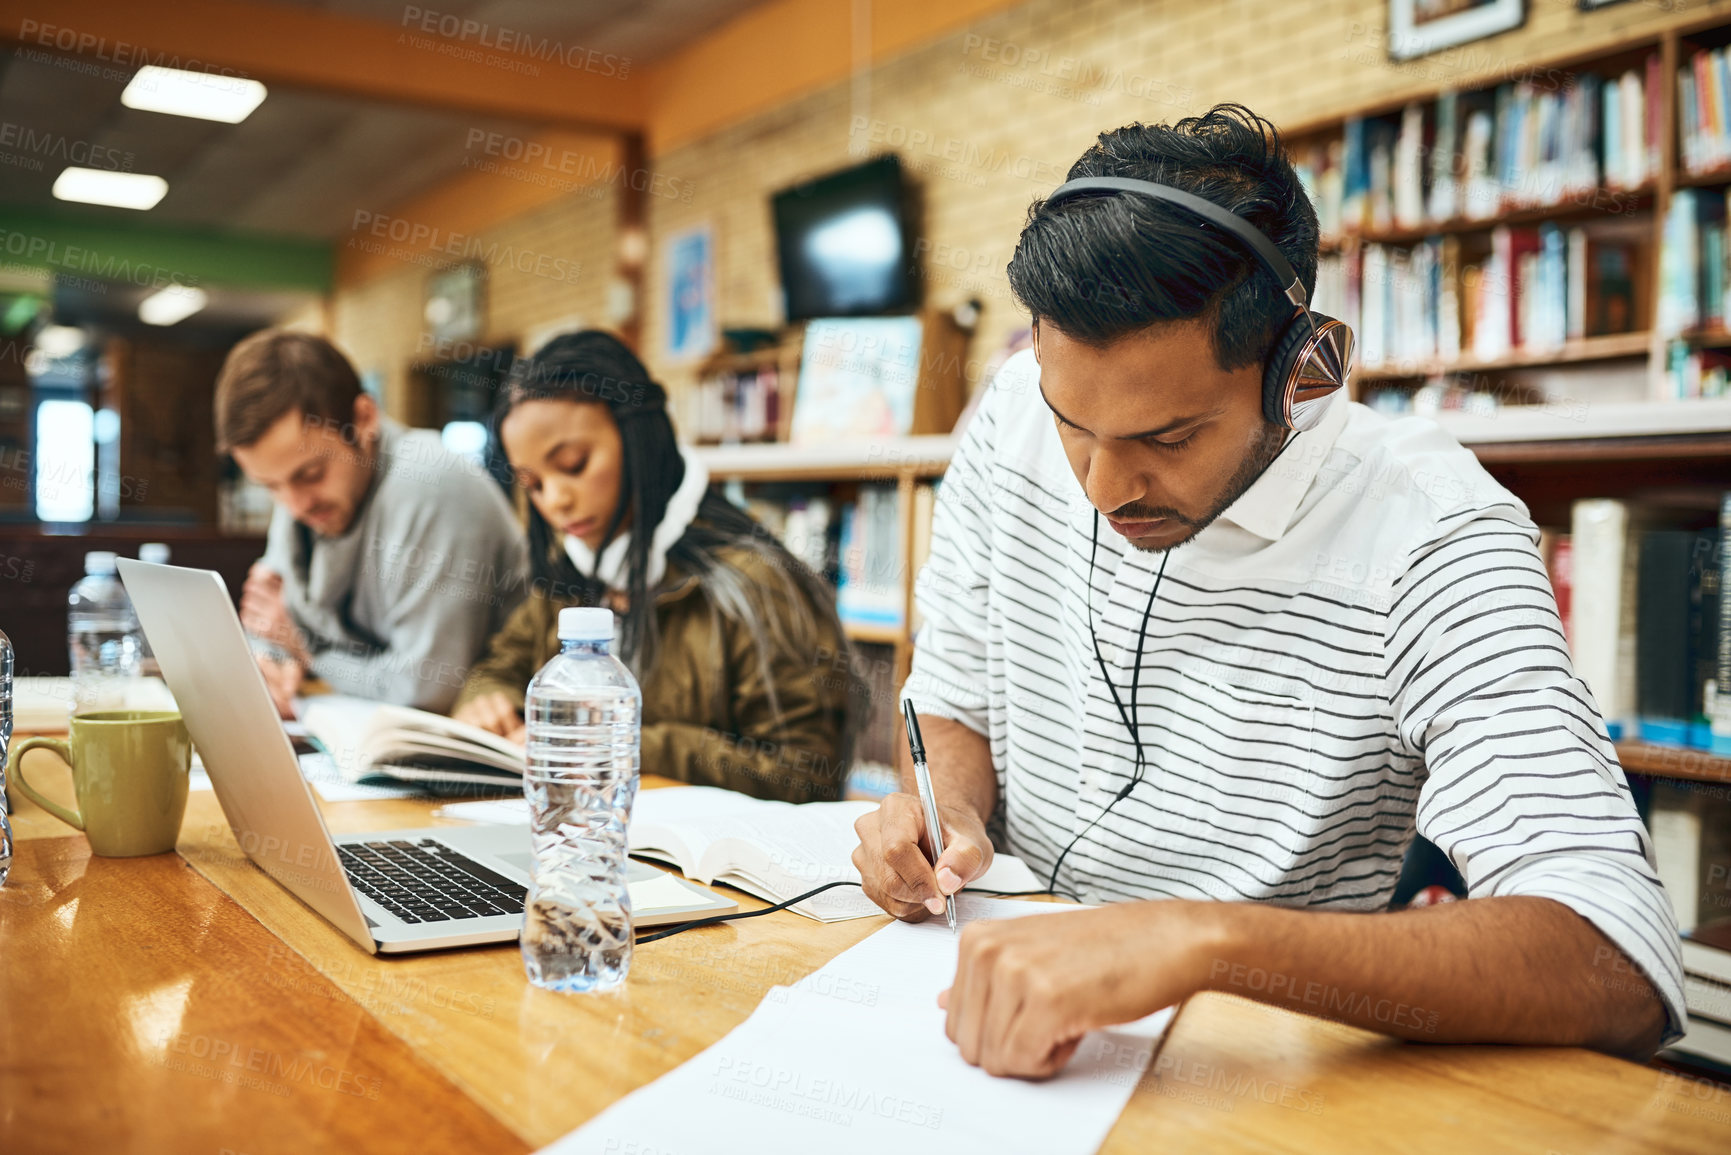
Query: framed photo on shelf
x,y
691,293
1420,27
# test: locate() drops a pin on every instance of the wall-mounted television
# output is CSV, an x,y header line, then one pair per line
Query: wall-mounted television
x,y
845,243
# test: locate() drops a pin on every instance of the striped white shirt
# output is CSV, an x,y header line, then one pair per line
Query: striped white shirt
x,y
1365,642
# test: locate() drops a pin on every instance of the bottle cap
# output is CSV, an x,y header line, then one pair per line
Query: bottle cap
x,y
585,624
154,552
99,563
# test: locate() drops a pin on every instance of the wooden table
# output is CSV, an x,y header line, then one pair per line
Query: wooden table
x,y
185,1003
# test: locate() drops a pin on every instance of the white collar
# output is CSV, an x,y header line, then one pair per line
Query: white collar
x,y
681,510
1267,507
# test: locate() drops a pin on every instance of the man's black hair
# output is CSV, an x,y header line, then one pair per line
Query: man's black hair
x,y
1101,266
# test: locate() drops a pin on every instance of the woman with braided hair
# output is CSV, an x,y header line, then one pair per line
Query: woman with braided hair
x,y
746,674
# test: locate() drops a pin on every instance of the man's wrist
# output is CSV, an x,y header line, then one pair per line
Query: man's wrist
x,y
1221,941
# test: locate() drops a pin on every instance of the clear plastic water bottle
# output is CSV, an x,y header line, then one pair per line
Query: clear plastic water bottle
x,y
103,637
156,553
5,744
584,713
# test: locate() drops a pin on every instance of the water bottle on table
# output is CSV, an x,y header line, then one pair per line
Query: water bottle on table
x,y
156,553
102,636
584,713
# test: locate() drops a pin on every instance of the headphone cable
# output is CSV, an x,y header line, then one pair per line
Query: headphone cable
x,y
1132,724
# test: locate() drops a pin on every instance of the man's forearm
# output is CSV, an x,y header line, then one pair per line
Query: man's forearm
x,y
960,762
1489,970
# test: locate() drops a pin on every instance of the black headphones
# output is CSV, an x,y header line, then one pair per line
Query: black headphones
x,y
1311,356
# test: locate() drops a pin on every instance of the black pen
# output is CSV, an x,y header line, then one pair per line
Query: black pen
x,y
923,779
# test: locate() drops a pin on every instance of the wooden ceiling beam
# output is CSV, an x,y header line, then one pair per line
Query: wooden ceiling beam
x,y
427,58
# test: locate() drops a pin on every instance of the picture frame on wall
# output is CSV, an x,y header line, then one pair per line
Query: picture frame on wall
x,y
1420,27
455,303
690,287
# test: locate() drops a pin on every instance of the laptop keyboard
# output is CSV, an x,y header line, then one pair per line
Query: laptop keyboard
x,y
427,882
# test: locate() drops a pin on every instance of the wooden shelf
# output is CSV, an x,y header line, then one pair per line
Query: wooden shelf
x,y
1643,427
1674,762
1599,202
883,459
1606,348
1706,338
1706,179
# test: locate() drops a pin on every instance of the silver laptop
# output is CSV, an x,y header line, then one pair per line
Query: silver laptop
x,y
390,891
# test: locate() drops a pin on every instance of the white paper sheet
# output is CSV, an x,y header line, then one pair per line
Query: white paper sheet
x,y
853,1058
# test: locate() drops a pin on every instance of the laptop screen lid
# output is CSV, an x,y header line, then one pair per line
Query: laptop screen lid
x,y
198,641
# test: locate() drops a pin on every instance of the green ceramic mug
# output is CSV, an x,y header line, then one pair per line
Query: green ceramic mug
x,y
129,770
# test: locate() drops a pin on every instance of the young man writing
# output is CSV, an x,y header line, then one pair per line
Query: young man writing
x,y
390,561
1213,672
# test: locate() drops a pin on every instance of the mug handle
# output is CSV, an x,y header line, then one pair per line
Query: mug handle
x,y
15,767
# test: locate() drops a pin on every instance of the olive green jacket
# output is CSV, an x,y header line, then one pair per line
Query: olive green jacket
x,y
708,717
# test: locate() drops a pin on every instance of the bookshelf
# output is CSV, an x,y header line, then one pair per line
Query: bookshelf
x,y
1674,762
1605,347
905,462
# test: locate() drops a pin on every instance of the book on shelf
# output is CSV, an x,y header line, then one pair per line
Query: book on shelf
x,y
1677,626
1718,699
1692,263
870,590
805,523
1606,537
740,405
1408,176
1480,153
1704,110
1691,832
925,502
1537,289
1558,552
1695,291
1647,619
1443,198
1318,166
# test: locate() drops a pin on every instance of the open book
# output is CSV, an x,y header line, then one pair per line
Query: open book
x,y
774,850
369,740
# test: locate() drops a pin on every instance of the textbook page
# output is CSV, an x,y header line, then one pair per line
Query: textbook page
x,y
774,850
854,1059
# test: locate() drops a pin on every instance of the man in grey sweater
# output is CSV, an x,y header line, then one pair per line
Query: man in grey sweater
x,y
390,560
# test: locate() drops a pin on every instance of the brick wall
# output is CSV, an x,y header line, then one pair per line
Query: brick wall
x,y
543,268
988,118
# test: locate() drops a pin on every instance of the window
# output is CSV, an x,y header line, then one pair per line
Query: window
x,y
65,461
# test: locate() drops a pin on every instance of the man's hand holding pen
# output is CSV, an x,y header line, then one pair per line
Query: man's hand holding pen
x,y
894,857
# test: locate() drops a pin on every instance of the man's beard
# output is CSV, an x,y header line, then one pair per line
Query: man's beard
x,y
1269,440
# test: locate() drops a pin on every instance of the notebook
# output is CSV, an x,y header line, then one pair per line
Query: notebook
x,y
773,850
